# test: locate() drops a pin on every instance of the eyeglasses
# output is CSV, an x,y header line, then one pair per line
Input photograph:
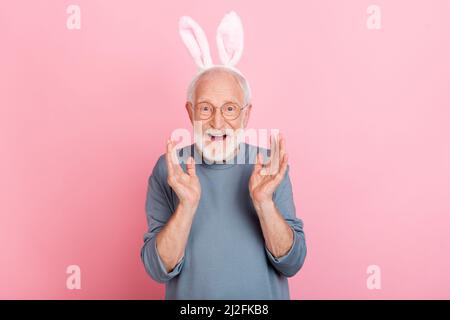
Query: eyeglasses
x,y
230,111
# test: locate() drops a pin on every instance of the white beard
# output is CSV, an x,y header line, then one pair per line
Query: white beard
x,y
221,150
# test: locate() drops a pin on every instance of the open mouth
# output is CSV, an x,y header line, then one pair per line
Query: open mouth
x,y
217,137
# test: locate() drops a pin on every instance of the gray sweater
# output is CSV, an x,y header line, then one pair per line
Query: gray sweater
x,y
226,256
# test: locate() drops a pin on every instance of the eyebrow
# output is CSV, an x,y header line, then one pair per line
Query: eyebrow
x,y
228,101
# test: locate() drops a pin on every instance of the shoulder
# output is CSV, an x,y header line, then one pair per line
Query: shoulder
x,y
159,171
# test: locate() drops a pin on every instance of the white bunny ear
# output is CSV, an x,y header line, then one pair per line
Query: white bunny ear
x,y
230,39
195,40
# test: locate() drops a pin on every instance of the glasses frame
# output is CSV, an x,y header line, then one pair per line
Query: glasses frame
x,y
221,111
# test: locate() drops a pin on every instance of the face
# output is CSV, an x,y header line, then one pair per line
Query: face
x,y
218,137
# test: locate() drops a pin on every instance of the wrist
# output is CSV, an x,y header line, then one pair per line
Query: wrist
x,y
264,205
188,207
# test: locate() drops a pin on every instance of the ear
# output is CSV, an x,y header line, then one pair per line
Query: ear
x,y
230,39
247,115
190,111
196,42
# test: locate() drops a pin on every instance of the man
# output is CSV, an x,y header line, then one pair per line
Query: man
x,y
220,228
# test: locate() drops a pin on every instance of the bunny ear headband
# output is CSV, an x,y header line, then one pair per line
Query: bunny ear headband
x,y
229,38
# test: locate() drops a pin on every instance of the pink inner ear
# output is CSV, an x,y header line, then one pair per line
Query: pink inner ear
x,y
195,40
229,45
230,39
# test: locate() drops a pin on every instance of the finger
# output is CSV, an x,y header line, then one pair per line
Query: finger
x,y
262,170
176,161
169,163
274,155
283,168
258,164
173,159
266,167
279,154
190,166
272,145
267,164
282,145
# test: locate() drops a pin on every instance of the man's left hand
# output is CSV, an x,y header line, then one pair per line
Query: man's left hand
x,y
266,177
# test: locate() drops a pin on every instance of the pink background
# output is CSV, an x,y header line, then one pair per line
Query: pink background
x,y
366,114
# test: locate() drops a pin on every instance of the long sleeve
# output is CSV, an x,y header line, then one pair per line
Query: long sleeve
x,y
159,207
293,260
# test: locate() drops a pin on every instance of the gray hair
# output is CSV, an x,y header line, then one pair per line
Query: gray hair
x,y
238,76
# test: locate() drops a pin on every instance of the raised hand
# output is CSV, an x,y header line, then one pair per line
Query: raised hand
x,y
186,185
266,177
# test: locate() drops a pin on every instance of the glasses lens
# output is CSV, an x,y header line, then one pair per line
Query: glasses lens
x,y
204,110
230,111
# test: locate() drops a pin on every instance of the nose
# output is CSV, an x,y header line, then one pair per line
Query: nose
x,y
217,120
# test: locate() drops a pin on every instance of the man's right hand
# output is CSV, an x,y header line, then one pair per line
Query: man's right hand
x,y
171,240
186,185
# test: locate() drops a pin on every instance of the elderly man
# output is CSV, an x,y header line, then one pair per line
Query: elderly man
x,y
222,230
222,221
